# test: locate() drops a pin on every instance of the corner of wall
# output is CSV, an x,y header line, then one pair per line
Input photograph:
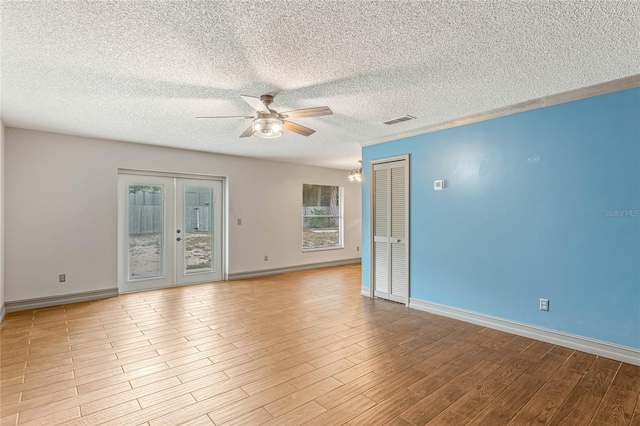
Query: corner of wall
x,y
2,308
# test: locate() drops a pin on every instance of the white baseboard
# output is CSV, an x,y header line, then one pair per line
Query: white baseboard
x,y
276,271
3,311
65,299
584,344
365,291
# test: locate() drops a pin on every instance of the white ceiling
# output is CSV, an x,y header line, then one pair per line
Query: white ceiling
x,y
141,71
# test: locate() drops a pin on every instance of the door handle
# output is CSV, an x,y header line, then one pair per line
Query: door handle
x,y
178,239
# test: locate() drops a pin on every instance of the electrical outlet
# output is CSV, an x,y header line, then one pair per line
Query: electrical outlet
x,y
62,278
266,258
357,248
239,221
544,304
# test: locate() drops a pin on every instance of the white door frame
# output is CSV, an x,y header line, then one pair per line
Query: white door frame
x,y
167,273
371,221
217,244
121,209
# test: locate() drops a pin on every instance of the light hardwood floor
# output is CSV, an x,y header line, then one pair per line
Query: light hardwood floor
x,y
299,348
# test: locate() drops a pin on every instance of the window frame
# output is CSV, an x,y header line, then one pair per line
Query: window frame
x,y
339,216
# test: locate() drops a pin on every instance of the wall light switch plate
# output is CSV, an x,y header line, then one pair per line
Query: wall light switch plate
x,y
439,185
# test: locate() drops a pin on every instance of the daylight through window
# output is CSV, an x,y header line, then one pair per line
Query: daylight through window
x,y
321,217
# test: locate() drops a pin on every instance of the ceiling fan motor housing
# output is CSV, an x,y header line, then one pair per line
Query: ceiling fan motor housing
x,y
266,99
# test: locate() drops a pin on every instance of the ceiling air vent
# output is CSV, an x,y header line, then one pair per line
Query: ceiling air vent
x,y
399,119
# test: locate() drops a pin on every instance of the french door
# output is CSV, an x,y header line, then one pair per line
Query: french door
x,y
169,231
390,202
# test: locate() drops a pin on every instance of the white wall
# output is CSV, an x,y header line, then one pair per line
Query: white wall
x,y
61,196
1,219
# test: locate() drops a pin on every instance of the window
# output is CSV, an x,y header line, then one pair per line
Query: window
x,y
321,217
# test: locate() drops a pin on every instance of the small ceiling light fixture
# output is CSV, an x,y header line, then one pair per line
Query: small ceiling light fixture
x,y
356,174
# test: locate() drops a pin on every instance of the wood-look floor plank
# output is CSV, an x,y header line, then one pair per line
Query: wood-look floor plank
x,y
616,408
105,415
635,421
18,405
584,399
476,399
135,375
256,417
386,410
203,420
350,390
320,373
344,412
131,394
153,412
58,418
494,415
203,384
64,404
544,405
298,416
293,400
303,347
191,411
250,403
628,377
448,418
429,407
399,421
10,420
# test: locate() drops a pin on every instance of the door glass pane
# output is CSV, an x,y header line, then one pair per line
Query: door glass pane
x,y
198,235
146,231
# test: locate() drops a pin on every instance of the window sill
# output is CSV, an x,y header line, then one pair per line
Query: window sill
x,y
322,249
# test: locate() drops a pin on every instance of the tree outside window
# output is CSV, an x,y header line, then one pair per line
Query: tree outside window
x,y
321,217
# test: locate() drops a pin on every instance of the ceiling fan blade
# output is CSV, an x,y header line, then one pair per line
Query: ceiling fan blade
x,y
230,116
296,128
255,103
247,132
307,112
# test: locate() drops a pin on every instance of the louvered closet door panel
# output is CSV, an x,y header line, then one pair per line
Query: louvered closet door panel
x,y
398,232
398,202
381,231
398,273
381,276
381,203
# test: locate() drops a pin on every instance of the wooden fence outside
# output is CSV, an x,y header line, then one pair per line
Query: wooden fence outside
x,y
147,219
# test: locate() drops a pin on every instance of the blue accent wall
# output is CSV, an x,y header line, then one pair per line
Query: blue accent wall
x,y
540,204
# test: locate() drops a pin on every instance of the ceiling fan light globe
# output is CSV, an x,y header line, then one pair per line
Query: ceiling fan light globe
x,y
267,128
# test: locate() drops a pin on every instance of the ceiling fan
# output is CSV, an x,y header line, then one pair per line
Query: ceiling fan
x,y
269,123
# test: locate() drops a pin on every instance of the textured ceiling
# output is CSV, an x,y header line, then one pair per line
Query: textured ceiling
x,y
141,71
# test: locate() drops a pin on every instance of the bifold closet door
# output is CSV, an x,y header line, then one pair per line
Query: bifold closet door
x,y
390,230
